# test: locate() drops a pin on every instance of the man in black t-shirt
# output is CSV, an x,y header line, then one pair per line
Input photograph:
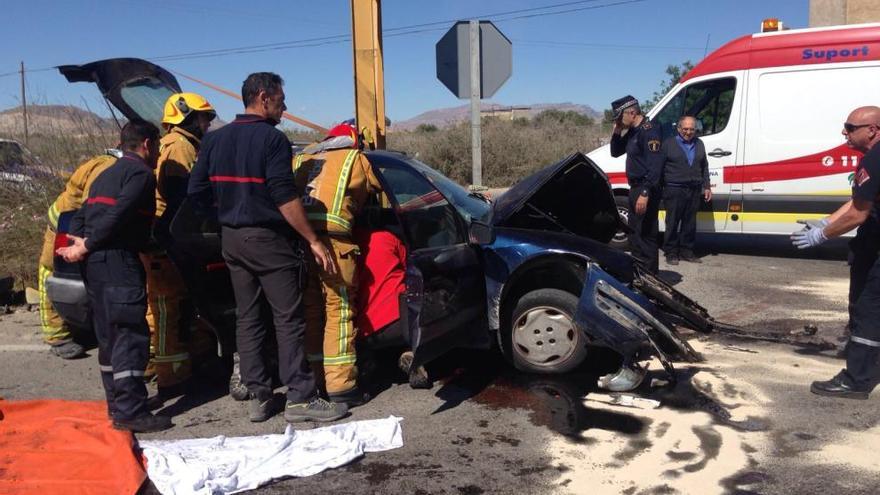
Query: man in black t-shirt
x,y
862,132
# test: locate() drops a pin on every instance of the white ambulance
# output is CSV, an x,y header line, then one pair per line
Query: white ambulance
x,y
771,107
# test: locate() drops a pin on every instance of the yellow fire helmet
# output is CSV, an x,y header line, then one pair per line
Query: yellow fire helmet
x,y
179,105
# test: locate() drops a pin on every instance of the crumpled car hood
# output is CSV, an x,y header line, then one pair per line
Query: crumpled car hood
x,y
572,196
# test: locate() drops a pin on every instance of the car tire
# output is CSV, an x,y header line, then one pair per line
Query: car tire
x,y
542,336
621,238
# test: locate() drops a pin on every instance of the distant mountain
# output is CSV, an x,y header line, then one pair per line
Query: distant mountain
x,y
49,119
443,117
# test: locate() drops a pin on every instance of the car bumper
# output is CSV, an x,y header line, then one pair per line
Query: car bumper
x,y
70,299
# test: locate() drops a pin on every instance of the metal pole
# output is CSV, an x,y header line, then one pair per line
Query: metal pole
x,y
476,138
24,105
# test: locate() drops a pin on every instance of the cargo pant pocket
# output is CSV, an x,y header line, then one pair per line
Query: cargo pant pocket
x,y
126,305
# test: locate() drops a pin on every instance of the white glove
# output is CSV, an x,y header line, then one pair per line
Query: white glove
x,y
813,223
804,239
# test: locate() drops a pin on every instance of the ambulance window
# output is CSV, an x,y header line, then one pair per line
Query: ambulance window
x,y
711,102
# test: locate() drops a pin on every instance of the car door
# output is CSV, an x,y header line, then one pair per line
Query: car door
x,y
445,295
716,102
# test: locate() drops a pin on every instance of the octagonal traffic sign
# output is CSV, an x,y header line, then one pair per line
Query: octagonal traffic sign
x,y
453,59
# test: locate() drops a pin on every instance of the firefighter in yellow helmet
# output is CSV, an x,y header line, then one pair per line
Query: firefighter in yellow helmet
x,y
335,179
56,333
186,118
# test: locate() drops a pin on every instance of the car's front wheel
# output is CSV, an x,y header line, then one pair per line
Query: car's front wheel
x,y
543,336
621,238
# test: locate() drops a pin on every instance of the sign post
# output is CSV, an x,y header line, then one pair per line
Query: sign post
x,y
474,60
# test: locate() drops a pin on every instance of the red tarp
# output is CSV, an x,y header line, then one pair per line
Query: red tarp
x,y
64,447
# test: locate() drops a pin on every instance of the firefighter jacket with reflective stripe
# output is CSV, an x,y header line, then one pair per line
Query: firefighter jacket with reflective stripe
x,y
335,185
77,187
244,169
118,213
177,155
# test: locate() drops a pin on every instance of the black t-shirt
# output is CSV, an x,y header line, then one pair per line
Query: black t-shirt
x,y
866,181
866,187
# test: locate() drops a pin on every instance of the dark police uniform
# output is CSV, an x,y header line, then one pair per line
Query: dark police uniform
x,y
116,220
863,349
245,167
644,163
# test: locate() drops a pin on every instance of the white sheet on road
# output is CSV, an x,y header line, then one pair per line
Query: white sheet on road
x,y
235,464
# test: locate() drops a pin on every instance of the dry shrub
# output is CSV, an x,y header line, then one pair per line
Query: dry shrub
x,y
511,149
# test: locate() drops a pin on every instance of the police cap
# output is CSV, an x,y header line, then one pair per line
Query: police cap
x,y
621,104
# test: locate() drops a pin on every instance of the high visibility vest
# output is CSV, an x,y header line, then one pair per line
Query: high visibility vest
x,y
334,185
77,187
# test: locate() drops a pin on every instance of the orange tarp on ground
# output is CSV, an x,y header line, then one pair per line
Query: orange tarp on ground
x,y
64,447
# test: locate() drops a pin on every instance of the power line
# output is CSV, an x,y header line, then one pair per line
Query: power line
x,y
504,16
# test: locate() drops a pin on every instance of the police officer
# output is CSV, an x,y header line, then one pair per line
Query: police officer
x,y
336,179
186,118
56,332
245,168
108,232
858,379
641,140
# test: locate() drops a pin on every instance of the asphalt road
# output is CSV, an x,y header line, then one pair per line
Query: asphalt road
x,y
743,421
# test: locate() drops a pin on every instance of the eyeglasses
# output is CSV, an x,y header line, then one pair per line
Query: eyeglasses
x,y
852,127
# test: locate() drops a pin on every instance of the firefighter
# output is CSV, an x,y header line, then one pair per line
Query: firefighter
x,y
109,230
186,118
336,180
56,333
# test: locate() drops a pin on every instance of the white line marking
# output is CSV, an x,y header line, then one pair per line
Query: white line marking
x,y
23,347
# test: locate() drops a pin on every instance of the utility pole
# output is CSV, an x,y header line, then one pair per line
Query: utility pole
x,y
369,72
24,105
476,137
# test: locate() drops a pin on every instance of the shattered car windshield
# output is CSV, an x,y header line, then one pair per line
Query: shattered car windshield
x,y
471,206
146,97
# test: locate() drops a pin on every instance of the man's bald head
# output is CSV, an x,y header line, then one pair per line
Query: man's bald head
x,y
865,115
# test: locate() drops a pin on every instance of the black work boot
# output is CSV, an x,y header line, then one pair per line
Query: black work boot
x,y
672,260
840,386
68,350
316,409
352,398
261,408
147,423
418,377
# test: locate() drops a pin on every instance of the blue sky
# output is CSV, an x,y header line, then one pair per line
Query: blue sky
x,y
583,56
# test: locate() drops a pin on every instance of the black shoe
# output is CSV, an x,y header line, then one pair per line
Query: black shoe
x,y
260,410
147,423
691,258
353,398
316,409
68,350
418,377
672,260
839,387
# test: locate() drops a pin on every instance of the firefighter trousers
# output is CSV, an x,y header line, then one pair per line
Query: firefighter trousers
x,y
115,282
330,317
55,331
863,350
169,316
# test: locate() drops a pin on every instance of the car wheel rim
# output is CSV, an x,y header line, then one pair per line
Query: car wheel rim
x,y
620,235
544,336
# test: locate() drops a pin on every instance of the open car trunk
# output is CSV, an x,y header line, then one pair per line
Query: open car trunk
x,y
137,88
572,196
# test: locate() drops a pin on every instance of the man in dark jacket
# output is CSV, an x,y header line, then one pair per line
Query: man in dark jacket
x,y
244,168
638,137
109,230
685,182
